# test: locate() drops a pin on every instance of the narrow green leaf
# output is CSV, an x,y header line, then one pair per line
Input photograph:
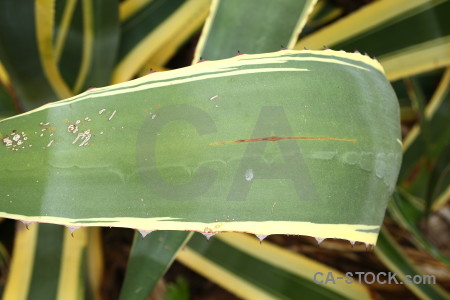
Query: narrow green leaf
x,y
46,264
391,22
150,258
408,215
394,258
249,27
325,12
440,177
251,270
414,174
7,106
68,39
20,55
100,43
4,265
146,31
88,42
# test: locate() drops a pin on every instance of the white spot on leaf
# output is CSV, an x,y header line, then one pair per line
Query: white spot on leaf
x,y
112,115
249,175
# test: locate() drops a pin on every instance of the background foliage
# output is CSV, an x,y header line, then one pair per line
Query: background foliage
x,y
50,50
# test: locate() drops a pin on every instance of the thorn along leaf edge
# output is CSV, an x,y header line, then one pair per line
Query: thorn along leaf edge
x,y
208,235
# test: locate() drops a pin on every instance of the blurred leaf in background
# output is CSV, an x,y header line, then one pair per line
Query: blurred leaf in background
x,y
50,50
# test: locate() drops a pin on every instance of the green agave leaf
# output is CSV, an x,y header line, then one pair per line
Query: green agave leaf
x,y
7,105
42,272
428,45
149,260
4,263
220,146
182,25
241,265
325,12
190,11
21,56
414,174
231,23
148,27
428,82
147,18
408,215
68,39
439,178
393,257
88,42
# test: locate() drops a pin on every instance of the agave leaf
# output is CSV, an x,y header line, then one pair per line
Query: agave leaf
x,y
135,276
232,22
21,52
408,214
42,272
324,12
388,251
224,179
390,21
149,259
147,30
414,174
68,39
440,181
93,32
4,77
93,263
7,103
251,270
190,19
4,263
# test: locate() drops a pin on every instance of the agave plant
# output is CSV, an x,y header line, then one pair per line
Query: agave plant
x,y
266,133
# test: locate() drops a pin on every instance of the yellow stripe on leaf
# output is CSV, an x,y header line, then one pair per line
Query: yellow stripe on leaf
x,y
155,40
221,276
436,100
19,277
162,55
70,285
206,29
363,20
309,7
269,254
88,44
292,263
130,7
441,200
95,260
427,56
44,15
64,28
4,77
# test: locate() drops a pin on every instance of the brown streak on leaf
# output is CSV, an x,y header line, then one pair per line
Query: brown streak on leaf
x,y
280,138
